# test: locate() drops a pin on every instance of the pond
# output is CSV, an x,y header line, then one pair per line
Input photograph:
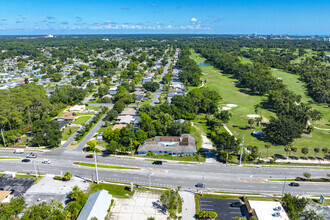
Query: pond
x,y
203,64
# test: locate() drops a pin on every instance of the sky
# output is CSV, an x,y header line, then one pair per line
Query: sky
x,y
35,17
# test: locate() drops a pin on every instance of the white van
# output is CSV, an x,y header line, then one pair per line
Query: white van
x,y
19,151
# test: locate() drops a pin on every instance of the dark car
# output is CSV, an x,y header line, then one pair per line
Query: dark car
x,y
294,184
26,160
200,185
90,156
157,162
12,191
236,204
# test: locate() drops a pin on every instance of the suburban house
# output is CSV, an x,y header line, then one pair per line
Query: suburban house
x,y
118,126
124,119
266,210
96,206
185,145
65,119
128,111
77,108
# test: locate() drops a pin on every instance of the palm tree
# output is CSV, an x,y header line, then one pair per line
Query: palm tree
x,y
251,122
268,146
294,149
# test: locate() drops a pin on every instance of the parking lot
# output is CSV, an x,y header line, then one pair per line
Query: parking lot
x,y
141,206
222,208
20,185
48,188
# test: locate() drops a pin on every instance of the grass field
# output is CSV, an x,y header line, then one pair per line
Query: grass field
x,y
117,191
196,131
103,166
95,108
87,113
294,84
66,134
238,124
81,120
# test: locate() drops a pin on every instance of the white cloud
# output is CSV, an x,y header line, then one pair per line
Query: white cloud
x,y
193,20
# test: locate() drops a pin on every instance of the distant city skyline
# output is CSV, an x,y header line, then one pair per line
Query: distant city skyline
x,y
36,17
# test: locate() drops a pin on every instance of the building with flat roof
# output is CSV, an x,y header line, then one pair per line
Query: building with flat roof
x,y
97,206
174,145
124,119
266,210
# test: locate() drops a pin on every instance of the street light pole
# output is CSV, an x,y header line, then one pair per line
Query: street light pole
x,y
283,188
35,169
96,172
3,138
240,158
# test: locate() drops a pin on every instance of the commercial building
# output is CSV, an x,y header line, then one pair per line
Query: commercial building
x,y
266,210
185,145
97,206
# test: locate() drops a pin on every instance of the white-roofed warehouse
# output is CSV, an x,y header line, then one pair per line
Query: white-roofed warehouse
x,y
97,206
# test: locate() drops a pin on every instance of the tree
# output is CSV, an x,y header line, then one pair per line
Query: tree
x,y
307,175
304,150
67,176
294,149
111,115
325,150
293,205
287,149
251,121
46,133
11,209
53,210
151,86
317,150
224,116
92,144
119,106
172,200
268,146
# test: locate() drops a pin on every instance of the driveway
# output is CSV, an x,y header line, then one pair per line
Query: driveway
x,y
188,205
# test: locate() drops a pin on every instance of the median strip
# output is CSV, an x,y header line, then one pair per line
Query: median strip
x,y
102,166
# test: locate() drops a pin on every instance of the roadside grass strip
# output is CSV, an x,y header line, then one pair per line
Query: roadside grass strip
x,y
102,166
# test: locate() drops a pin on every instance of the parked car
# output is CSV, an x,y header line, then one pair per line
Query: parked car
x,y
26,160
90,156
12,191
31,155
294,184
46,161
200,185
157,162
236,204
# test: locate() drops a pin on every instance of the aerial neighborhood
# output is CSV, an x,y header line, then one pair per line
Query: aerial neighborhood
x,y
164,127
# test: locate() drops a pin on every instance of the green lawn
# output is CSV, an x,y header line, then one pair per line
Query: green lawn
x,y
103,166
196,131
231,94
81,120
117,191
95,108
23,141
238,123
103,128
7,158
25,176
294,84
169,157
68,132
87,113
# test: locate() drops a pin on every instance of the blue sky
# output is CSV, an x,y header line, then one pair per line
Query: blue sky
x,y
164,17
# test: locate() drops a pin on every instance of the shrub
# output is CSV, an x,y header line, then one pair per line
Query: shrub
x,y
307,175
150,153
206,215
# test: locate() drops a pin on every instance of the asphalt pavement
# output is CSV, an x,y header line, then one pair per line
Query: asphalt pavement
x,y
215,176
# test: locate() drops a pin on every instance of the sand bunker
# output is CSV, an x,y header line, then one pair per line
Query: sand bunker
x,y
253,116
226,108
231,105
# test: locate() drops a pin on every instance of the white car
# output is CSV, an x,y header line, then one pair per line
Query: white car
x,y
46,161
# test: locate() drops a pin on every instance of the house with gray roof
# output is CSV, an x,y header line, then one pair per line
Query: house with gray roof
x,y
174,145
97,206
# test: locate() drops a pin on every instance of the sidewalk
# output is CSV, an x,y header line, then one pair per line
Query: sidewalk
x,y
188,205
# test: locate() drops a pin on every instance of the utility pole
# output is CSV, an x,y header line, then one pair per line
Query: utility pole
x,y
283,188
240,158
3,138
35,168
96,172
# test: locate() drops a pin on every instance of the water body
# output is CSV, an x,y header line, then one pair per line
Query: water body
x,y
203,64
